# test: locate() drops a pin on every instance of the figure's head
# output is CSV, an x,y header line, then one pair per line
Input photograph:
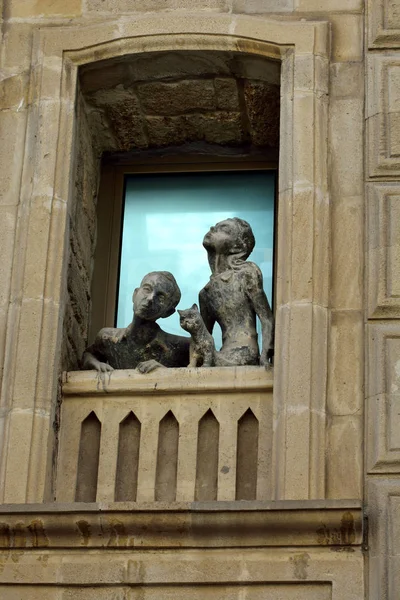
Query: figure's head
x,y
232,236
157,296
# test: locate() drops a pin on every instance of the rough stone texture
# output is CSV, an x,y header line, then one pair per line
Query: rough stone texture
x,y
45,9
176,98
159,114
82,240
262,103
121,6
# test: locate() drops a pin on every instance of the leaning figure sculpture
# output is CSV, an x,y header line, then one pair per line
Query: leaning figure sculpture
x,y
234,296
143,344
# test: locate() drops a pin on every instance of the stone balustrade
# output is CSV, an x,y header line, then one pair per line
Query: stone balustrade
x,y
171,435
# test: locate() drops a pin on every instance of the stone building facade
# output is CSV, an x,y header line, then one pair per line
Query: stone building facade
x,y
88,86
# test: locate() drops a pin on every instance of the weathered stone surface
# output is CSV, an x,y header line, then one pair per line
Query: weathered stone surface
x,y
263,6
219,128
118,6
227,94
46,9
262,105
177,98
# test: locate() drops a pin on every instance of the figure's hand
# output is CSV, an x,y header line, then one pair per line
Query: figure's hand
x,y
266,358
90,362
148,365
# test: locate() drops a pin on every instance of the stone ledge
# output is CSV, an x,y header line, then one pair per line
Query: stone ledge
x,y
320,523
161,381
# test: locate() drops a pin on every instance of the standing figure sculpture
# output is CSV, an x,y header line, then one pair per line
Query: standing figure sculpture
x,y
143,344
234,296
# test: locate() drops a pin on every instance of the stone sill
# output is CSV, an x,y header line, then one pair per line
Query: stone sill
x,y
319,523
166,381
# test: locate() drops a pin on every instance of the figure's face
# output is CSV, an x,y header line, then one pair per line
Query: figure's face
x,y
222,237
150,300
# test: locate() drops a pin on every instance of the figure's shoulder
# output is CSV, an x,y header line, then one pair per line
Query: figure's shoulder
x,y
204,291
251,270
111,334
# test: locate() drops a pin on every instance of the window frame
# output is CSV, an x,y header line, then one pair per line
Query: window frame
x,y
110,207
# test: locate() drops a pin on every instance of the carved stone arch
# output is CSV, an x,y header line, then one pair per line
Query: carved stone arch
x,y
34,331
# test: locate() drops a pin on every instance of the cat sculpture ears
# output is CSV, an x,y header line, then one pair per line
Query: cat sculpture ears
x,y
194,307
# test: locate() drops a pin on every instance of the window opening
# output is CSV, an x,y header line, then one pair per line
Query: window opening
x,y
165,218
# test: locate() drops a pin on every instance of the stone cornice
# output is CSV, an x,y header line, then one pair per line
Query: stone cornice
x,y
319,523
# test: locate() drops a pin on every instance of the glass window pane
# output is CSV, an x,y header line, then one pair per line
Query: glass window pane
x,y
165,219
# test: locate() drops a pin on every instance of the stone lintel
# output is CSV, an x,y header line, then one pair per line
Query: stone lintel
x,y
161,381
318,523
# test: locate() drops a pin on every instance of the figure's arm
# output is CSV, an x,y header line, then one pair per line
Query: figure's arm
x,y
93,357
208,318
259,300
147,366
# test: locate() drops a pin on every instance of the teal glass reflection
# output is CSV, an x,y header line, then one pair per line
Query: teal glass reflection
x,y
165,219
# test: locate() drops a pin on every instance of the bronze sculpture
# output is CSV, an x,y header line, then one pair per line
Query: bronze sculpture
x,y
143,344
234,296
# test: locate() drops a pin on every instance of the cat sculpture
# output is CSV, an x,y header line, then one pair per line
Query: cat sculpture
x,y
202,347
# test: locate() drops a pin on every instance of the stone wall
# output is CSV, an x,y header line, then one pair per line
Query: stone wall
x,y
338,215
82,242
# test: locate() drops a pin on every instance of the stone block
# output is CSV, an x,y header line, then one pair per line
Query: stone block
x,y
327,6
30,592
346,80
346,158
218,128
71,572
177,98
383,408
347,37
43,8
14,91
118,6
344,459
24,391
18,452
383,114
37,246
262,6
263,112
383,23
383,239
164,131
227,94
8,222
347,251
303,139
3,331
12,134
17,48
345,364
